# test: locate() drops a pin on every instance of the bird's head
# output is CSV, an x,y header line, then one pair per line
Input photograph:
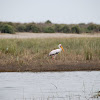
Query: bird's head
x,y
60,46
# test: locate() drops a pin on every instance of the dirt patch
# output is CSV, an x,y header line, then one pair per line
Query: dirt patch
x,y
70,66
46,35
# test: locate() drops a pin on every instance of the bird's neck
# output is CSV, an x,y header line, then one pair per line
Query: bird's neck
x,y
60,49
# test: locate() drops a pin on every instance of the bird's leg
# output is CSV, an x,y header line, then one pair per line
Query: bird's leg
x,y
53,57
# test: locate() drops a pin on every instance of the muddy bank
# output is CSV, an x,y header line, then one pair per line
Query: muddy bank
x,y
70,66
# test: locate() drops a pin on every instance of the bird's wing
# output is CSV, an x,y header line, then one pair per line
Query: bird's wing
x,y
53,52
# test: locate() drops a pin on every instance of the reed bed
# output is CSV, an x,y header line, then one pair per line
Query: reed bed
x,y
24,53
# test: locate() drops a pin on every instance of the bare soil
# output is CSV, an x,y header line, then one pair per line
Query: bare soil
x,y
68,66
46,35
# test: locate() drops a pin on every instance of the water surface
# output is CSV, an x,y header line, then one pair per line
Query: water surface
x,y
49,85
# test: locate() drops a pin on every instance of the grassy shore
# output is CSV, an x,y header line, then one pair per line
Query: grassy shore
x,y
32,54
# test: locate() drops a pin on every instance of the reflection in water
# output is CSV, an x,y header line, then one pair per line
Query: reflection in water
x,y
49,85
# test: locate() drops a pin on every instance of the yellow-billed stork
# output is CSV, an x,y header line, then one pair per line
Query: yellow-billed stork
x,y
53,53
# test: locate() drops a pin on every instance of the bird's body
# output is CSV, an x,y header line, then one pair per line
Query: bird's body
x,y
53,53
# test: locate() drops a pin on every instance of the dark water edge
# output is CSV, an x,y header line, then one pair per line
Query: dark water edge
x,y
79,66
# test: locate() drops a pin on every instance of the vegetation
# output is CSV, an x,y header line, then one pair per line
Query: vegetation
x,y
5,28
49,30
75,29
32,54
49,27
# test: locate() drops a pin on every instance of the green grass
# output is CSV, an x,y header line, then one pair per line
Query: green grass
x,y
27,51
77,46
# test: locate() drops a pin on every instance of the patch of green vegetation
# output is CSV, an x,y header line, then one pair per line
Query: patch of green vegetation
x,y
88,48
5,28
49,27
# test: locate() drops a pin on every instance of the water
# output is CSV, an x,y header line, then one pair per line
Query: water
x,y
49,85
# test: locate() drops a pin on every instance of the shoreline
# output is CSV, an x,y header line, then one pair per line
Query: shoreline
x,y
70,66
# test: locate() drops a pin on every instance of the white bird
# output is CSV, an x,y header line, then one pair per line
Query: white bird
x,y
53,53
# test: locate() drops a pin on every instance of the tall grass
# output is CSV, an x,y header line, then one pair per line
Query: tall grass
x,y
25,51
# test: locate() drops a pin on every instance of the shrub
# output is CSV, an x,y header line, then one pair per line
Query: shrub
x,y
75,29
65,29
49,30
48,22
49,27
29,27
35,29
20,28
0,26
7,29
57,28
98,27
92,28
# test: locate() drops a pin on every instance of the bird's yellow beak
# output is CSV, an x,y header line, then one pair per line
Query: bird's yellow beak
x,y
62,48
